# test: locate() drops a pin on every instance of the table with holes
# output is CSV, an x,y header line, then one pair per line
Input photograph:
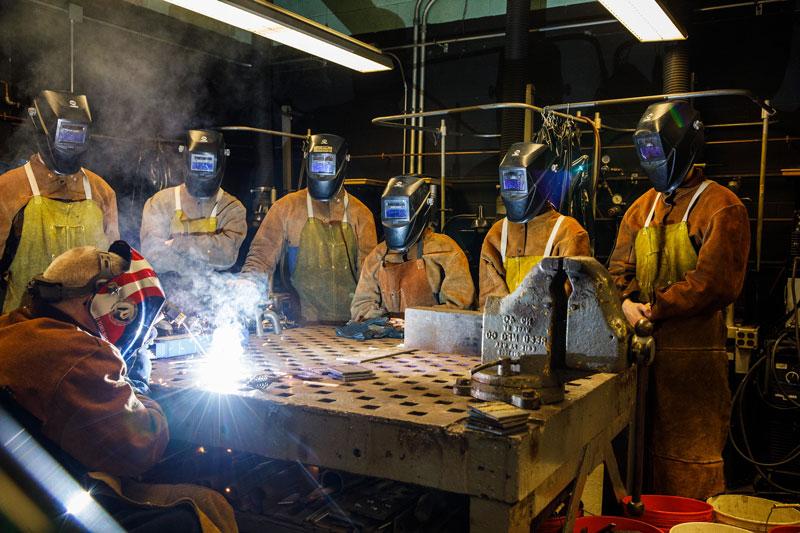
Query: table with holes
x,y
404,424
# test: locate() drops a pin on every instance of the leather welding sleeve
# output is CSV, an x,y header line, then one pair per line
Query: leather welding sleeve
x,y
219,250
269,242
622,263
367,300
491,272
101,422
111,217
719,275
155,232
457,289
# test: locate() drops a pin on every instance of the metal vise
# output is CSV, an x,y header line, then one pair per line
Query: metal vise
x,y
565,315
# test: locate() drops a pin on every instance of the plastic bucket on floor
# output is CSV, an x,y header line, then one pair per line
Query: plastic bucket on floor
x,y
664,512
751,513
785,529
596,523
706,527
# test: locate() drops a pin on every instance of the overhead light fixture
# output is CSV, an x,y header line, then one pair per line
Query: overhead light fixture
x,y
285,27
647,20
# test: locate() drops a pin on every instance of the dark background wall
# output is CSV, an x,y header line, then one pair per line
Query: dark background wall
x,y
149,76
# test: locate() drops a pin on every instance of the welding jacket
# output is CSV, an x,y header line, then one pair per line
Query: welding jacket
x,y
527,240
446,270
697,253
216,248
278,237
73,383
15,193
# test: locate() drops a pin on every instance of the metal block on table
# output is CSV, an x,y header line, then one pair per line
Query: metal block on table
x,y
178,345
442,330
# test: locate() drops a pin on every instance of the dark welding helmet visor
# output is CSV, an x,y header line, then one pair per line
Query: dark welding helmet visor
x,y
62,121
527,180
668,140
406,206
326,160
204,156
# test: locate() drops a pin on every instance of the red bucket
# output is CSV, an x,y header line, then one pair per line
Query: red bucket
x,y
664,512
785,529
595,523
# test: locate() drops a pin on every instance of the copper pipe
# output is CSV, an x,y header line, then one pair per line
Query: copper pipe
x,y
762,182
7,95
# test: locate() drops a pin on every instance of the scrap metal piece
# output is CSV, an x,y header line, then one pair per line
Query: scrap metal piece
x,y
443,330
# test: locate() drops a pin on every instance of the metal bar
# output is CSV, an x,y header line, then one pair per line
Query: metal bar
x,y
496,35
262,130
671,96
442,172
286,148
527,135
423,60
71,55
596,163
738,4
414,86
762,181
390,155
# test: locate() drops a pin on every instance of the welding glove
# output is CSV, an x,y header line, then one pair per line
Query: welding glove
x,y
374,328
140,365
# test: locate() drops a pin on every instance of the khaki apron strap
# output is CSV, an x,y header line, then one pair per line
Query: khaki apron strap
x,y
504,239
87,187
548,250
703,186
346,203
32,179
652,211
178,205
216,204
309,206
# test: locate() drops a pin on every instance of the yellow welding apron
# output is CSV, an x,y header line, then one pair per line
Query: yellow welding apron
x,y
182,225
689,403
518,267
49,228
324,275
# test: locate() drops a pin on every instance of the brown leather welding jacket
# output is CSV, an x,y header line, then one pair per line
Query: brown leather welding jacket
x,y
217,251
73,382
446,270
527,240
279,233
15,192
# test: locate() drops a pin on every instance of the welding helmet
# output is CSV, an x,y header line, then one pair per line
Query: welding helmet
x,y
204,155
326,160
668,139
527,181
406,206
62,121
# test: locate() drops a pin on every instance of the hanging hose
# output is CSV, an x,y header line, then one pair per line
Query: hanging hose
x,y
515,71
676,68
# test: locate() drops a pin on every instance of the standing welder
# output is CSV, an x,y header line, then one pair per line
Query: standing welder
x,y
414,266
196,228
321,232
532,229
680,258
51,203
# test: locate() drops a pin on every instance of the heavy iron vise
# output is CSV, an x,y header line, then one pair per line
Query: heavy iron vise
x,y
565,316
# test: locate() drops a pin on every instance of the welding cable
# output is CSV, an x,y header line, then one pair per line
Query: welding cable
x,y
796,311
773,352
737,405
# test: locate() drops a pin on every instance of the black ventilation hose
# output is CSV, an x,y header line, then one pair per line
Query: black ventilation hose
x,y
676,68
515,71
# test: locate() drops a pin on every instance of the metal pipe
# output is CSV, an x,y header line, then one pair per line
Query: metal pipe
x,y
7,95
414,83
405,102
421,89
442,171
273,317
261,130
596,162
391,155
785,139
674,96
762,181
71,55
738,4
497,35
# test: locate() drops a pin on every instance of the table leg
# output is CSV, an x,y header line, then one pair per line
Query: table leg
x,y
490,516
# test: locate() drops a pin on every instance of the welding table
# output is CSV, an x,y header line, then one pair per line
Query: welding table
x,y
405,424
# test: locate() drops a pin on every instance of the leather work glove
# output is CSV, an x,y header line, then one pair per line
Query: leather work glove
x,y
374,328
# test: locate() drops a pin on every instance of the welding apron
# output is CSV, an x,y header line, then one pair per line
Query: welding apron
x,y
518,267
324,275
183,225
689,410
406,284
49,228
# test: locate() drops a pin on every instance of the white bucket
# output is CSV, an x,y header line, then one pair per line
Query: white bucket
x,y
751,513
706,527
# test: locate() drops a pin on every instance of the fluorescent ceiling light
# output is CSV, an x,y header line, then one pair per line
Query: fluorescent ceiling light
x,y
648,20
288,28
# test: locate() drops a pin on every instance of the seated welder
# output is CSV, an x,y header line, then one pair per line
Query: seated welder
x,y
532,228
51,203
414,266
61,363
322,234
195,228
